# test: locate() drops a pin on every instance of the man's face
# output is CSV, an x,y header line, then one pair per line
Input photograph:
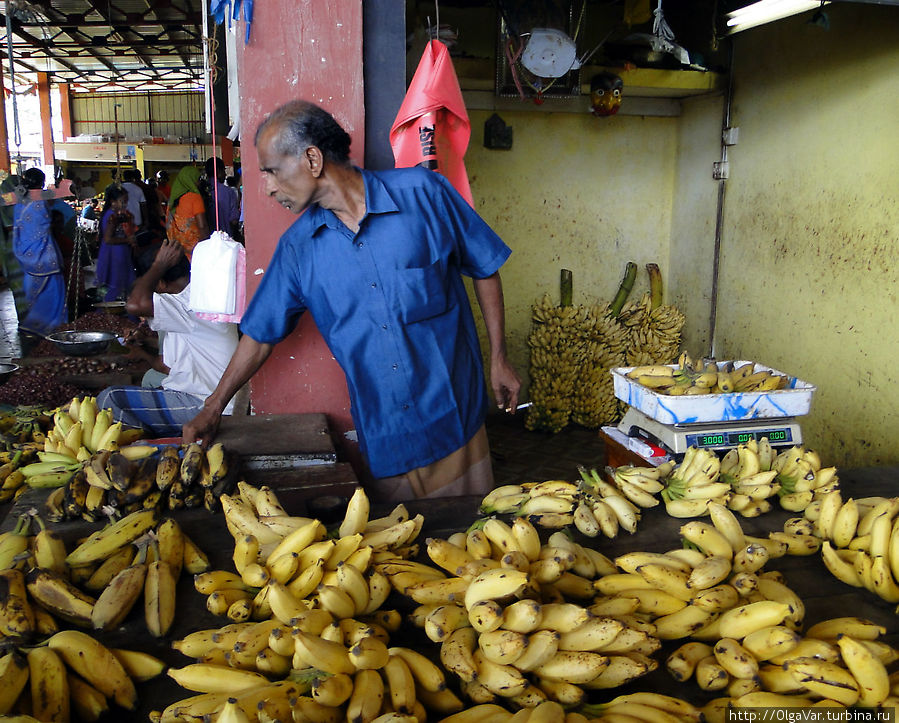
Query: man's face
x,y
286,178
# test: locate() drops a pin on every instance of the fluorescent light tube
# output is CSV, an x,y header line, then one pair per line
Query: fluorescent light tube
x,y
766,11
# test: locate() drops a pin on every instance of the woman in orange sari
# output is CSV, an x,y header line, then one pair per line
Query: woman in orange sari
x,y
186,222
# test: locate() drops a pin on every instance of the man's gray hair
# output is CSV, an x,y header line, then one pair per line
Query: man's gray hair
x,y
302,124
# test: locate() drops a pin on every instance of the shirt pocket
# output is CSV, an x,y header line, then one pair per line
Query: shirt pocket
x,y
421,293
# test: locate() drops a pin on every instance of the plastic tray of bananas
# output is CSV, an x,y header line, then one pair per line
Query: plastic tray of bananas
x,y
716,392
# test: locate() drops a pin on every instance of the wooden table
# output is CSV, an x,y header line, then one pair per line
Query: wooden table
x,y
824,596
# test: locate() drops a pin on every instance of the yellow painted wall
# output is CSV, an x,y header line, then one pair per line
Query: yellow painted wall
x,y
577,192
809,263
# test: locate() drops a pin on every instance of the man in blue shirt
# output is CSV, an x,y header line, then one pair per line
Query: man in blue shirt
x,y
378,258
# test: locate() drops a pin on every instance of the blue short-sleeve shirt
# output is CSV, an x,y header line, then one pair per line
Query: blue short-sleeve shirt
x,y
391,304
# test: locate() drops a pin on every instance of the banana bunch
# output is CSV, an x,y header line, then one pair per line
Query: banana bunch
x,y
802,478
572,350
694,483
12,478
689,376
859,541
287,565
838,661
593,505
73,675
746,378
654,329
317,666
23,426
748,469
80,429
512,616
641,706
142,476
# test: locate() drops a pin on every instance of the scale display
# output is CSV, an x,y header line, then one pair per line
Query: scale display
x,y
714,440
721,436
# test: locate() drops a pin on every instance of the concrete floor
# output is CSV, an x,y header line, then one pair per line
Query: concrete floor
x,y
520,455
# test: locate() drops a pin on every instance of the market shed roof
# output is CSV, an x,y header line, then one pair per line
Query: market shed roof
x,y
107,44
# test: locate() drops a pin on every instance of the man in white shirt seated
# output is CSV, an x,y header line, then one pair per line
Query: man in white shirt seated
x,y
195,352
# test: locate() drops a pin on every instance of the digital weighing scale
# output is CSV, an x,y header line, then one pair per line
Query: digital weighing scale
x,y
676,438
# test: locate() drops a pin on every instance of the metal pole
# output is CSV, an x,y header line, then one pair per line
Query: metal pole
x,y
719,215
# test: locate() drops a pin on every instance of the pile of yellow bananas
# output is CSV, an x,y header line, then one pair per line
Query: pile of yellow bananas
x,y
860,541
80,429
689,377
95,586
745,479
73,675
136,477
592,505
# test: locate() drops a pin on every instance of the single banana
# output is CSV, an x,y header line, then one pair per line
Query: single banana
x,y
868,670
47,678
740,621
854,627
97,664
159,598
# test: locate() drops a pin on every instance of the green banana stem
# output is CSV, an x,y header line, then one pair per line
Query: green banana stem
x,y
624,289
566,285
478,524
655,285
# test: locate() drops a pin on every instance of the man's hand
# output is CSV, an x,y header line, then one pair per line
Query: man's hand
x,y
201,428
506,384
169,254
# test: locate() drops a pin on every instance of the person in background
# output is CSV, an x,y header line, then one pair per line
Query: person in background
x,y
115,263
89,211
40,260
163,190
187,222
137,200
222,208
195,352
378,258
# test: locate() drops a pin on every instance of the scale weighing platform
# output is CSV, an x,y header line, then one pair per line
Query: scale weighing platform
x,y
717,436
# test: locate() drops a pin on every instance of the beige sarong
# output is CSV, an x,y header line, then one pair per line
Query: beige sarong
x,y
467,471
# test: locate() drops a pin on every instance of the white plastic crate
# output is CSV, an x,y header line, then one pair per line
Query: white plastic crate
x,y
793,401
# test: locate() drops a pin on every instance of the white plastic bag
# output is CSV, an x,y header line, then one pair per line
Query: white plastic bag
x,y
215,276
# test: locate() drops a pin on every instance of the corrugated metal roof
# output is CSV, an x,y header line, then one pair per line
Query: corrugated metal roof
x,y
107,44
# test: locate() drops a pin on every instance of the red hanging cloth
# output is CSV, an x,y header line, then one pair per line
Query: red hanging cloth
x,y
432,127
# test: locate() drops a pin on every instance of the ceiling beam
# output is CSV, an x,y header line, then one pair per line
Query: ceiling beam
x,y
35,43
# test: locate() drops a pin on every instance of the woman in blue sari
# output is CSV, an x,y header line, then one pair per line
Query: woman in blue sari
x,y
41,262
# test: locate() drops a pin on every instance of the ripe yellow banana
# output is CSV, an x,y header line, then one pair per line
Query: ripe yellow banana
x,y
206,678
770,642
868,670
457,653
159,598
119,597
97,664
854,627
682,623
740,621
48,681
103,543
494,584
14,668
681,663
325,655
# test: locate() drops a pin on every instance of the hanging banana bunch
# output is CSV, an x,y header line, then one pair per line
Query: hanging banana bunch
x,y
654,329
572,350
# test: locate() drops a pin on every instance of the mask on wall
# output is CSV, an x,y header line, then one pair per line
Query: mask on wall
x,y
605,94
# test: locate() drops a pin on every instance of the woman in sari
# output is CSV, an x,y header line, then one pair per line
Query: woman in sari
x,y
40,260
187,222
115,265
